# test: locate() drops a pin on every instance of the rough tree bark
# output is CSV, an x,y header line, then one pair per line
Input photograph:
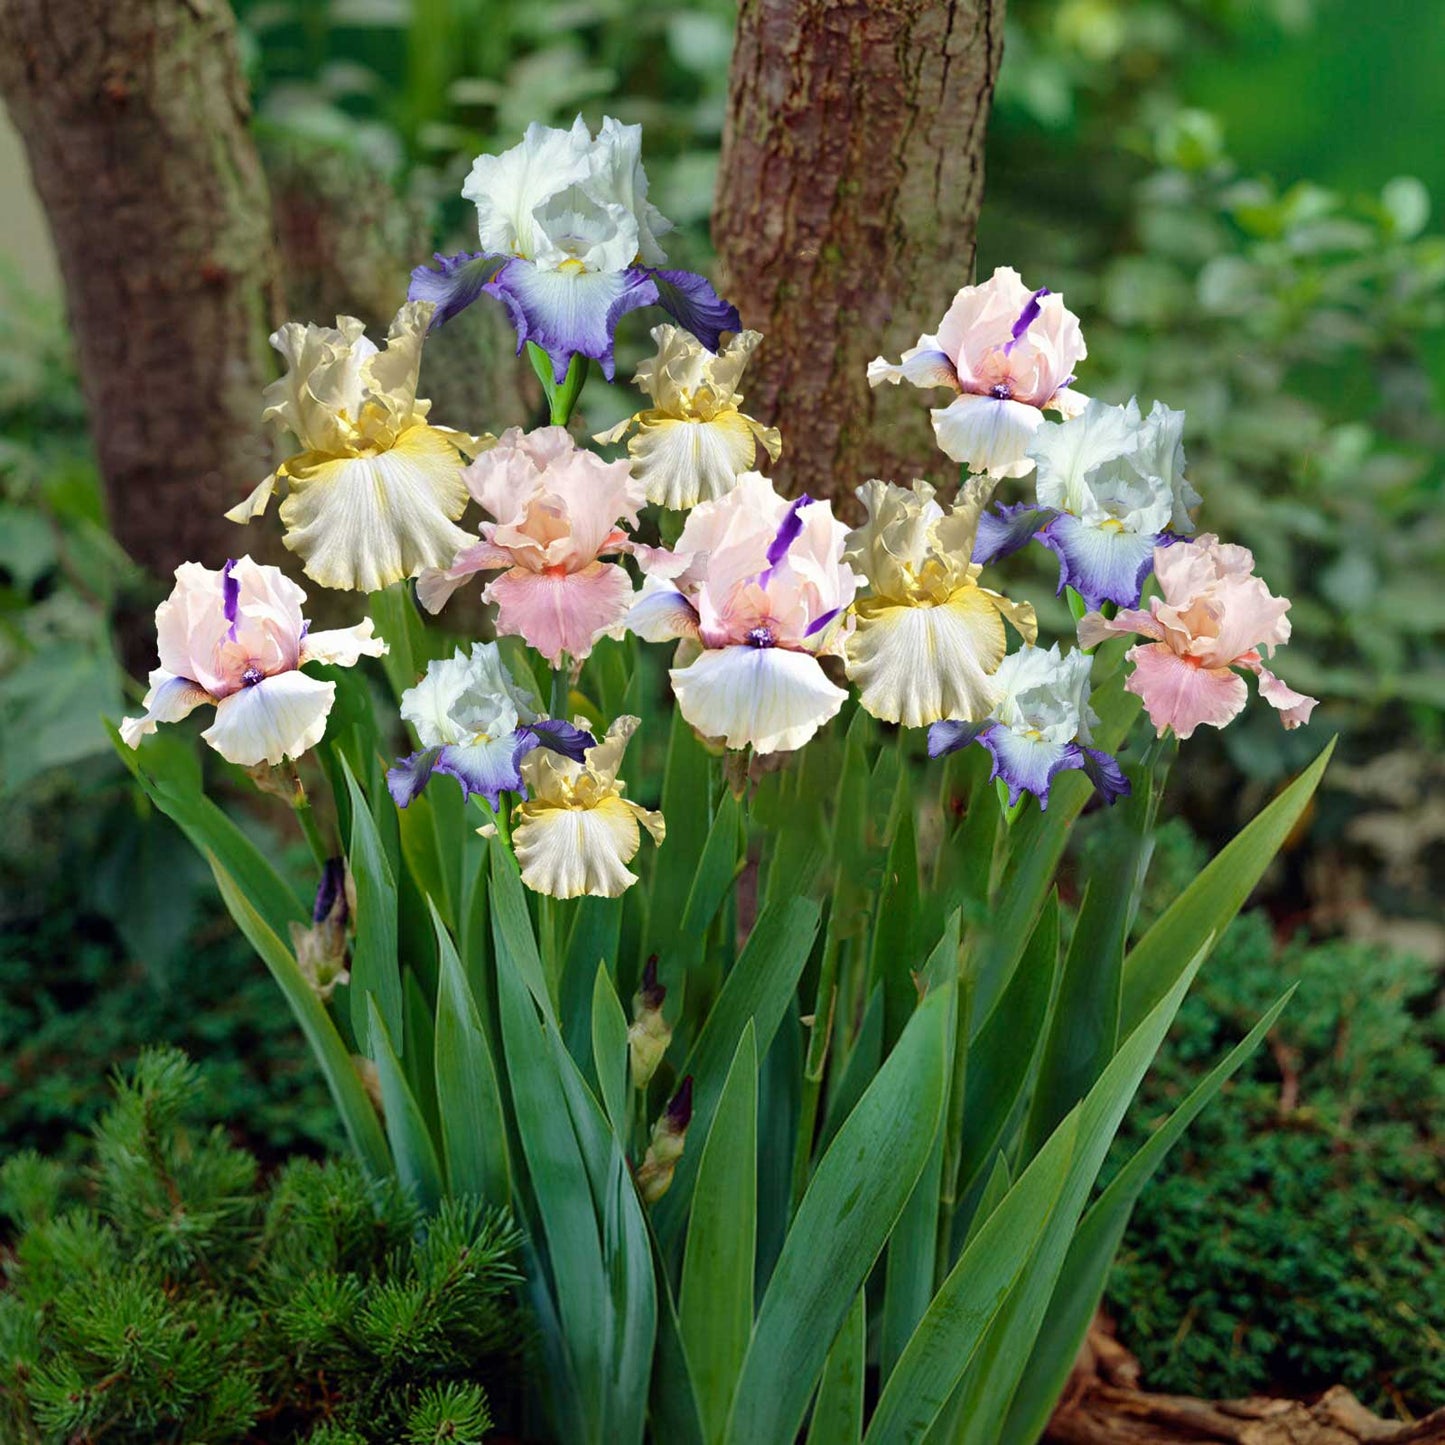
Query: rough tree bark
x,y
133,113
849,189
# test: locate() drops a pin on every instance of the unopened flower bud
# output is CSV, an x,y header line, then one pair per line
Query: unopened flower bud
x,y
669,1134
650,1033
321,949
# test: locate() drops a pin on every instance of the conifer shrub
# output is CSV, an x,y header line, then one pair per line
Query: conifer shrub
x,y
169,1294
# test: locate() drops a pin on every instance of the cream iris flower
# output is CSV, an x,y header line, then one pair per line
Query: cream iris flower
x,y
693,443
374,492
576,833
928,638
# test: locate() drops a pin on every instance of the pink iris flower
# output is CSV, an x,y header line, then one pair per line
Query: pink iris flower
x,y
236,639
555,511
1009,353
1215,616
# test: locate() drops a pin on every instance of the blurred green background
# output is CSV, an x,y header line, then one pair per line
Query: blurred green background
x,y
1241,200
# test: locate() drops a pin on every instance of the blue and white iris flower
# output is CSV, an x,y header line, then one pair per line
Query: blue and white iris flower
x,y
1111,488
1040,727
476,725
569,246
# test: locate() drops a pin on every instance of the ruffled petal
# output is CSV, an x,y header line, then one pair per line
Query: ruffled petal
x,y
1006,528
365,522
455,284
685,461
169,699
921,665
1028,765
343,646
566,612
568,852
435,585
564,738
691,301
255,504
1180,694
570,313
661,614
950,736
1095,628
1294,707
489,768
769,698
409,775
986,434
1101,565
1104,772
280,717
924,365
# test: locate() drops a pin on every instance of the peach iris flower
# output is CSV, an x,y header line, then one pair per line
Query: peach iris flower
x,y
1215,616
555,511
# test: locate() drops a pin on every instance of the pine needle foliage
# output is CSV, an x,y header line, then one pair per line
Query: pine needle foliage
x,y
167,1294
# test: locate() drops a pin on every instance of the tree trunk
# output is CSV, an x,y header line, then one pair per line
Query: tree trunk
x,y
134,115
849,189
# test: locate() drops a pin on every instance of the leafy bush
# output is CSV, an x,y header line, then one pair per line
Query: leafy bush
x,y
1296,1237
180,1300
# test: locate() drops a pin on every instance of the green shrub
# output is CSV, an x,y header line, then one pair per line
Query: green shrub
x,y
1296,1237
177,1299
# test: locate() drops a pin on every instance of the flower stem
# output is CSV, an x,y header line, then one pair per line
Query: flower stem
x,y
561,689
561,396
311,830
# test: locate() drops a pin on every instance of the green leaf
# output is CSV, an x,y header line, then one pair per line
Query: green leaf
x,y
716,1304
1097,1240
409,645
686,786
857,1073
990,1384
469,1098
912,1250
375,968
1002,1055
716,870
358,1118
178,795
592,939
892,953
759,988
1207,905
434,841
512,935
672,1407
411,1143
957,1321
580,1292
838,1411
609,1049
853,1201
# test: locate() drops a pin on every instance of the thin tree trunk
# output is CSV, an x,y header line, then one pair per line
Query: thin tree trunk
x,y
849,189
134,115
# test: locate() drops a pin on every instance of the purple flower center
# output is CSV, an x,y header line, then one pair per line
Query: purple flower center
x,y
1001,391
761,637
252,676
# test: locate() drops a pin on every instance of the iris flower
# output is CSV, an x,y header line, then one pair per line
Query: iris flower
x,y
761,596
928,638
236,639
569,246
576,833
1111,488
555,511
1215,616
1008,352
1039,728
476,725
374,492
693,443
